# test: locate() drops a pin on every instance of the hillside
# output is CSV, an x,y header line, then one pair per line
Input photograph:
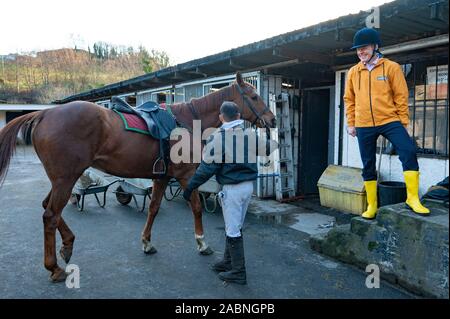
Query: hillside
x,y
42,77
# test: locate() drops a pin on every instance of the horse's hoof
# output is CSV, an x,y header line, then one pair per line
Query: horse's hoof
x,y
58,276
66,254
149,249
206,252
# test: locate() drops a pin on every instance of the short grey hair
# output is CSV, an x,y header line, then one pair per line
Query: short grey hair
x,y
229,110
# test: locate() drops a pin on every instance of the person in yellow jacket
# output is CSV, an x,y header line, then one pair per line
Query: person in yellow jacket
x,y
376,101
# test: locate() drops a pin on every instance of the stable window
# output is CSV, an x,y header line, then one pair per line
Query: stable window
x,y
163,97
212,87
179,95
251,78
193,91
428,105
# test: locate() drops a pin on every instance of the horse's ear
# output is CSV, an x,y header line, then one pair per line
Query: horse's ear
x,y
239,79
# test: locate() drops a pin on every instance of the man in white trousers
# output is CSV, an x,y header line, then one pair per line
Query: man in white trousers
x,y
236,171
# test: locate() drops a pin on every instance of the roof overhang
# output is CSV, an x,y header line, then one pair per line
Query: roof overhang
x,y
308,52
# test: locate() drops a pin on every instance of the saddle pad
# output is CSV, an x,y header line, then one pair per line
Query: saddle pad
x,y
133,123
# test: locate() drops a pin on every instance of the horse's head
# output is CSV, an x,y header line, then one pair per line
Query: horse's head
x,y
251,105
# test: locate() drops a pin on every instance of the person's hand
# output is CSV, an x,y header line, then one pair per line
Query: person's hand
x,y
351,130
187,194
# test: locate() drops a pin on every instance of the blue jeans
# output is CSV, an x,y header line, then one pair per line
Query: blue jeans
x,y
397,135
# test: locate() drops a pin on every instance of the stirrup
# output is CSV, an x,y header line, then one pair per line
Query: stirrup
x,y
163,172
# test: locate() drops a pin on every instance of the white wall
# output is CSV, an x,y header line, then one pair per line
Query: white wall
x,y
350,149
331,131
2,119
336,116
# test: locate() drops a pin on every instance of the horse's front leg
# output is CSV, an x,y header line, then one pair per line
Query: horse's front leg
x,y
196,208
159,187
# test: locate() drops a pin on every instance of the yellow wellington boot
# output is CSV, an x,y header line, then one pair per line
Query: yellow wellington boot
x,y
371,191
412,190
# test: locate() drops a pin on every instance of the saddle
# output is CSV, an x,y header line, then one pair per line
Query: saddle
x,y
160,124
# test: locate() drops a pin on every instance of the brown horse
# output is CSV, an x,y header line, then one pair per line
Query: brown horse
x,y
72,137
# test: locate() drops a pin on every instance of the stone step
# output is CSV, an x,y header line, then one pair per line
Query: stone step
x,y
410,250
359,226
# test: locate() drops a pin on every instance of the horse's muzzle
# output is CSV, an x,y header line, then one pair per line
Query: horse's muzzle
x,y
273,123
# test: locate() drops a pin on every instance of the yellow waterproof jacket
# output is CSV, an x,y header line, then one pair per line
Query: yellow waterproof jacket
x,y
377,97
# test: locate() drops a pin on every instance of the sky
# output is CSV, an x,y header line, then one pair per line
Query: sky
x,y
185,30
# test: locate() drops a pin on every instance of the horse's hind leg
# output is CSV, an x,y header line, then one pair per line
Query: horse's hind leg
x,y
46,200
196,207
67,238
159,187
60,194
66,234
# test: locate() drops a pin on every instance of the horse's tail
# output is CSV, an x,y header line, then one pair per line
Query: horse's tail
x,y
8,138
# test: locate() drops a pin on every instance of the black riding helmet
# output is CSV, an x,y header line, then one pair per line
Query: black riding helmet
x,y
366,36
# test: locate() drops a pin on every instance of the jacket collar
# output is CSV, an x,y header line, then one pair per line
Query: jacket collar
x,y
231,124
361,65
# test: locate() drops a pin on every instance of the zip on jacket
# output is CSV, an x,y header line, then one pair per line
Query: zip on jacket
x,y
370,96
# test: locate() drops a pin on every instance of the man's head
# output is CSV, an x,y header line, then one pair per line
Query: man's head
x,y
366,53
229,111
366,42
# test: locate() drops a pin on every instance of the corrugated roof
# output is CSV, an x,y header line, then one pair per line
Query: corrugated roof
x,y
320,44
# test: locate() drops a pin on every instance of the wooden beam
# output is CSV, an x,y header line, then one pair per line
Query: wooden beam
x,y
273,65
198,71
313,57
280,52
156,80
180,76
233,64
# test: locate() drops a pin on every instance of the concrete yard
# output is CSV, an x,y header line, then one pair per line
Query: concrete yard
x,y
280,263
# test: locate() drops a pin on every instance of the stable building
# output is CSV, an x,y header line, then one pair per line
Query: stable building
x,y
308,67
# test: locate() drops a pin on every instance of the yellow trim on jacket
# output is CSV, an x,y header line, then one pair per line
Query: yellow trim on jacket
x,y
377,97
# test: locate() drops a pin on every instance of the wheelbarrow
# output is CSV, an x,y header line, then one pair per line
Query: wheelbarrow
x,y
173,184
90,183
211,187
130,187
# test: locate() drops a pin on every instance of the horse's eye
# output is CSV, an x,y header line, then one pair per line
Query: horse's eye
x,y
254,98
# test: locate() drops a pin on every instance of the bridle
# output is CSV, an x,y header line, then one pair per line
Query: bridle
x,y
258,115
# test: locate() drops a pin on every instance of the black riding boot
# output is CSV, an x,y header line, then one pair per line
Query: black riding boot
x,y
225,263
237,273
